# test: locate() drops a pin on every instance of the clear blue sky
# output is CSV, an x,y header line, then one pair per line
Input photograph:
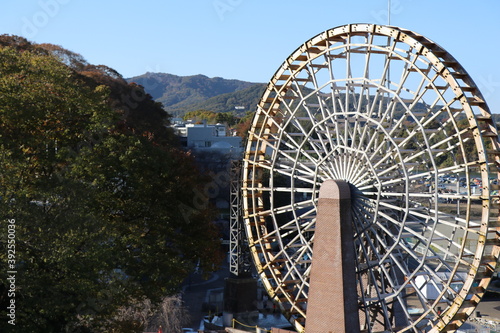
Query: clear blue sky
x,y
246,39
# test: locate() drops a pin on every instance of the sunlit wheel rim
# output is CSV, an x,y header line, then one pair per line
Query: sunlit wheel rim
x,y
390,112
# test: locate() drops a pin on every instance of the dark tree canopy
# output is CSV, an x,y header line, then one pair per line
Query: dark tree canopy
x,y
98,190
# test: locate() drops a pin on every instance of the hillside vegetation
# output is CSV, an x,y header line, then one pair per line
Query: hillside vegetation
x,y
182,94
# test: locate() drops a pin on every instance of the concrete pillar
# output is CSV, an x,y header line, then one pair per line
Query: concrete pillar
x,y
332,301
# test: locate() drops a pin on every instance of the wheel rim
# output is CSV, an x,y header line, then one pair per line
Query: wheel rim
x,y
381,108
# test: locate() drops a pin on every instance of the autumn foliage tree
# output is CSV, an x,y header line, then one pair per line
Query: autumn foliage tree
x,y
94,182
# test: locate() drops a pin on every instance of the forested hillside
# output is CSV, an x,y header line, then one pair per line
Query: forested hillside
x,y
182,94
239,102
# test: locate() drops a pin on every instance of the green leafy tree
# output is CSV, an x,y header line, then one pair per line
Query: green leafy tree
x,y
201,115
245,125
227,118
96,197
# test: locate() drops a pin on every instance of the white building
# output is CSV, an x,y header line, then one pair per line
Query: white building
x,y
209,138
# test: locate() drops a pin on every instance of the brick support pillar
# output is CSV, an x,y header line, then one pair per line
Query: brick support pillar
x,y
332,302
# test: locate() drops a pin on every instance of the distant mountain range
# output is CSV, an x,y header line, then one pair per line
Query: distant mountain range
x,y
181,94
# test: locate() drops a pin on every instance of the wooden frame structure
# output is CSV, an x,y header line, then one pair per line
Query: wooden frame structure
x,y
393,114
